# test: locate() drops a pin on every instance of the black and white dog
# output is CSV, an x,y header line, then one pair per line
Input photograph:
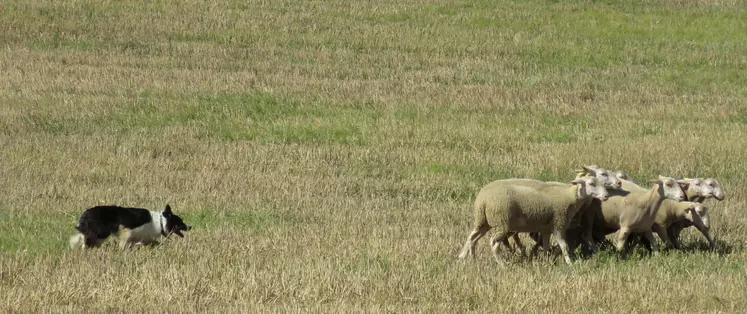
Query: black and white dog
x,y
134,226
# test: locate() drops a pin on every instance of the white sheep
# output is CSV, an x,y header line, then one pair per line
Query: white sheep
x,y
626,182
696,190
584,220
610,181
513,208
671,212
675,221
634,211
622,175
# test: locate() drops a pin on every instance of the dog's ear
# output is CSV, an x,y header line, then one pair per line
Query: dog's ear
x,y
167,212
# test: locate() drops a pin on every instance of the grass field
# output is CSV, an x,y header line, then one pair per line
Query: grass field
x,y
328,154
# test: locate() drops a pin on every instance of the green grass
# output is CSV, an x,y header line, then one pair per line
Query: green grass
x,y
328,153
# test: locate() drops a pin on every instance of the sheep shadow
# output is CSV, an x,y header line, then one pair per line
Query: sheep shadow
x,y
723,248
607,250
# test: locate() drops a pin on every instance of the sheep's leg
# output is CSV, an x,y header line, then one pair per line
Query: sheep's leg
x,y
588,242
518,243
535,248
599,237
674,235
507,245
593,236
497,239
642,240
662,232
622,239
505,242
586,228
469,246
544,241
633,240
575,238
560,237
650,237
536,236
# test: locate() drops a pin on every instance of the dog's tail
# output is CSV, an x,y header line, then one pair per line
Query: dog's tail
x,y
76,241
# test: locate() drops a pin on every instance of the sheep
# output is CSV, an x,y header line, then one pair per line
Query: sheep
x,y
576,235
633,211
622,175
672,212
697,190
547,208
626,183
610,182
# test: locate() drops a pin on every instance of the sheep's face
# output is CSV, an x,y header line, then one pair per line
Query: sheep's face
x,y
709,188
669,188
697,213
609,179
592,187
705,188
622,175
702,211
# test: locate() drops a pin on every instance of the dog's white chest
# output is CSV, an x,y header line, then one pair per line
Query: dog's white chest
x,y
148,232
145,233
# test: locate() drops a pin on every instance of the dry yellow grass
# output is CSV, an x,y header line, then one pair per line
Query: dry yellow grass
x,y
328,153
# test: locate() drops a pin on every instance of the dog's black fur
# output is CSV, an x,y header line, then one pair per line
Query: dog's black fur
x,y
99,222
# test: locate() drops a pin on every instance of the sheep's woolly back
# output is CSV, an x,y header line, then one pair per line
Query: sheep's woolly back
x,y
671,211
528,208
532,183
631,186
643,198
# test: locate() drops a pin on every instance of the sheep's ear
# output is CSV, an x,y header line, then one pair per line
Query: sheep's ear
x,y
589,170
661,177
693,208
577,181
684,184
656,181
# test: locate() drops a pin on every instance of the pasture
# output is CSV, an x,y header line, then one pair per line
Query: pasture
x,y
328,153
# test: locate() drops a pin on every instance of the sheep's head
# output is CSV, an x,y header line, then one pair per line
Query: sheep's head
x,y
702,211
622,175
669,188
703,187
592,187
697,212
610,181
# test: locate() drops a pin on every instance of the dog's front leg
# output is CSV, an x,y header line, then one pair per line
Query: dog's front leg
x,y
124,237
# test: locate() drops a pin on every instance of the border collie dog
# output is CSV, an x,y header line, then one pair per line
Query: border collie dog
x,y
133,225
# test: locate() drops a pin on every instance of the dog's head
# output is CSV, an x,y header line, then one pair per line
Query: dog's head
x,y
174,223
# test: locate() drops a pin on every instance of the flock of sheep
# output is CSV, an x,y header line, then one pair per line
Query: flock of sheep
x,y
581,213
